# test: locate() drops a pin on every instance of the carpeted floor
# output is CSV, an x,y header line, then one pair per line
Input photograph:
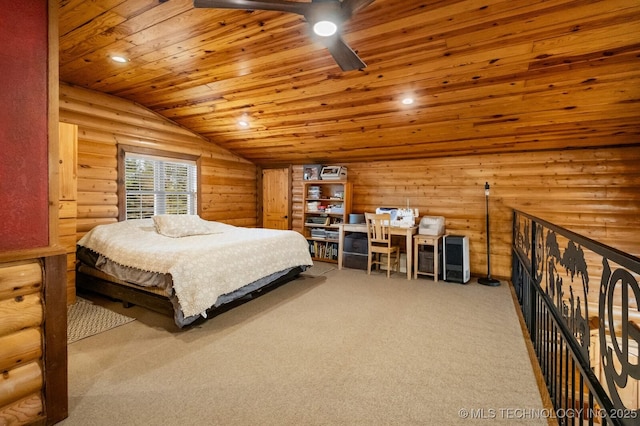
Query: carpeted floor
x,y
86,319
343,348
319,268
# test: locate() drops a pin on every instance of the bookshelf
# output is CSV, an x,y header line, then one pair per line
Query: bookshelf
x,y
327,204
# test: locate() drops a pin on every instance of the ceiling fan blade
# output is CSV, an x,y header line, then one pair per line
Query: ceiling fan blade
x,y
277,5
346,58
352,6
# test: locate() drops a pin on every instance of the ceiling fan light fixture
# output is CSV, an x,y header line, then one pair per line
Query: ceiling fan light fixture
x,y
325,28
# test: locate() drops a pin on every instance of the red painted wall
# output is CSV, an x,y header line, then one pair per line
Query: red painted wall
x,y
24,217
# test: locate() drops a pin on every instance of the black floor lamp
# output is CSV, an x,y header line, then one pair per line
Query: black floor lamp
x,y
488,280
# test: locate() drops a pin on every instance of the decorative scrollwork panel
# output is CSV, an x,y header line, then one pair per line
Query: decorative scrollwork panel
x,y
602,323
619,333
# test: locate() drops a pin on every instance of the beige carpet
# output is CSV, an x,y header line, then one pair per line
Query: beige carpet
x,y
320,268
86,319
343,348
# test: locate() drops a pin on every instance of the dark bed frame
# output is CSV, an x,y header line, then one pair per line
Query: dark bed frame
x,y
130,296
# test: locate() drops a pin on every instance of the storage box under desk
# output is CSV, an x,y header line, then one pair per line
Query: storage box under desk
x,y
355,261
356,249
356,243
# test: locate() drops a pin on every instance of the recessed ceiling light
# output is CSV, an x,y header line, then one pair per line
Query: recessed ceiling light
x,y
243,123
407,101
120,59
325,28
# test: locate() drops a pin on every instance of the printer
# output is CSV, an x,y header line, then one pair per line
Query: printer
x,y
431,225
333,173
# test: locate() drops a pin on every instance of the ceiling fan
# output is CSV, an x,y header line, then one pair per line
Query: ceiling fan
x,y
326,16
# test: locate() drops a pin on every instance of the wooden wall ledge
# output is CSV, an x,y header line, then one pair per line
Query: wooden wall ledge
x,y
17,255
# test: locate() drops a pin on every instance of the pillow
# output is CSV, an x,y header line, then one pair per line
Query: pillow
x,y
181,225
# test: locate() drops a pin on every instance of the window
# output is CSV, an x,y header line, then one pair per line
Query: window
x,y
153,184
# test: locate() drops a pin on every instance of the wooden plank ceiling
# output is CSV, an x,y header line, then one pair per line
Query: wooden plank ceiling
x,y
487,76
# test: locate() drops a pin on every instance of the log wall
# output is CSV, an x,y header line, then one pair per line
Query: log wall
x,y
594,192
228,182
32,345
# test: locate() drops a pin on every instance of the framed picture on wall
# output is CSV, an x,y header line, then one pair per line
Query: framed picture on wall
x,y
311,171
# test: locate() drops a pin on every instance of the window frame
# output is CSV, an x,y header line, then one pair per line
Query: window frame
x,y
123,150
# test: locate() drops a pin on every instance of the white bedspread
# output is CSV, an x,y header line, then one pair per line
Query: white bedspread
x,y
202,267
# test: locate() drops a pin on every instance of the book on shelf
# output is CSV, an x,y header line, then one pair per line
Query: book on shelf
x,y
323,250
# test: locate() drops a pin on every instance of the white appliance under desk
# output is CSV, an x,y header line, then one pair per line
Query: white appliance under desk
x,y
408,232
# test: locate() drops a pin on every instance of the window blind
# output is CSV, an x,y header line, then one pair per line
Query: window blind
x,y
157,185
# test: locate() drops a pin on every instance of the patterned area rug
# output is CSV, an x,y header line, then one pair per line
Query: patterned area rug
x,y
85,319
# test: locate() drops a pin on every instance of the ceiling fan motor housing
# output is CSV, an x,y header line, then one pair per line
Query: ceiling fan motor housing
x,y
325,11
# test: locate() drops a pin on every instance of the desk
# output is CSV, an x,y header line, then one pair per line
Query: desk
x,y
427,240
395,230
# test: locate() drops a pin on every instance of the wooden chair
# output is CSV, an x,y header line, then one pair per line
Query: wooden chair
x,y
379,241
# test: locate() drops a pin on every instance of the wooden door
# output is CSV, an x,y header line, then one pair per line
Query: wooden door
x,y
275,198
68,200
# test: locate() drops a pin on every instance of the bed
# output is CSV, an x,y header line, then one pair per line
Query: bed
x,y
184,265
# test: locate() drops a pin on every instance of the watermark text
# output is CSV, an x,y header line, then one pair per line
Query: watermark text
x,y
543,413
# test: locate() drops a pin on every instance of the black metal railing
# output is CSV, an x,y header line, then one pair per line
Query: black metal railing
x,y
586,338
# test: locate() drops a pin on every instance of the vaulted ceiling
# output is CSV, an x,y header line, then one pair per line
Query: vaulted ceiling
x,y
486,76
